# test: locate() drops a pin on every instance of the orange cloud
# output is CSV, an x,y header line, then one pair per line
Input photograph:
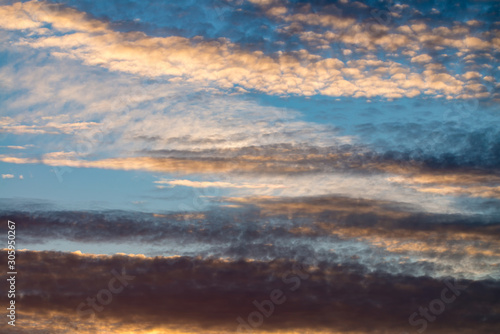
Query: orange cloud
x,y
219,62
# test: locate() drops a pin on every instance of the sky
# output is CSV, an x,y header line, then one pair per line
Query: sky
x,y
251,166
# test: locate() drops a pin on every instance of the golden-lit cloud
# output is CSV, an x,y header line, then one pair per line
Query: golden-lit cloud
x,y
379,31
456,183
220,62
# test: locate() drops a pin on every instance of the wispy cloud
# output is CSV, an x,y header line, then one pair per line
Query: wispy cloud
x,y
14,147
218,184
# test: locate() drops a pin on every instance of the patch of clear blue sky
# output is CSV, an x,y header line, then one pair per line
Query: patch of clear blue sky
x,y
94,189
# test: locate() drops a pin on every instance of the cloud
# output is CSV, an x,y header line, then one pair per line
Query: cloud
x,y
113,113
371,30
14,147
474,191
182,293
10,125
198,184
165,165
332,228
458,183
379,208
298,73
16,18
303,170
423,58
375,29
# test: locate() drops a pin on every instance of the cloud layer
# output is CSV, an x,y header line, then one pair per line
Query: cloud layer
x,y
384,236
189,294
227,65
342,155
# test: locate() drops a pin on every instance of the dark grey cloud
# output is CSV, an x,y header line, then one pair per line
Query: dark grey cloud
x,y
254,218
210,294
380,235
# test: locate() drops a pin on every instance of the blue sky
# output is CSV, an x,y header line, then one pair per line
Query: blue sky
x,y
362,133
